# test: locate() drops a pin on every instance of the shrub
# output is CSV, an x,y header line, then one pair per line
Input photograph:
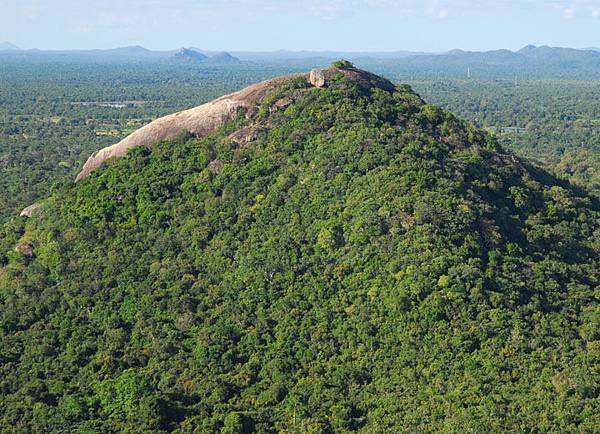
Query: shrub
x,y
342,64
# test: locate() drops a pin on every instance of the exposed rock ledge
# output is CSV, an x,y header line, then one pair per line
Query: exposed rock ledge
x,y
202,120
28,212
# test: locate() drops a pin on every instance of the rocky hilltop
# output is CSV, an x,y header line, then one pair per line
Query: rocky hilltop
x,y
206,118
187,54
328,254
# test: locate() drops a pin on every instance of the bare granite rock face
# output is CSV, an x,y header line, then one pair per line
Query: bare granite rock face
x,y
28,212
203,120
199,121
317,78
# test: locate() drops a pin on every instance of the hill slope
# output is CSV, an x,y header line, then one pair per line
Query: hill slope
x,y
189,55
222,58
332,259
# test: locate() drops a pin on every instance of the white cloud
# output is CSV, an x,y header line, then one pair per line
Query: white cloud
x,y
571,9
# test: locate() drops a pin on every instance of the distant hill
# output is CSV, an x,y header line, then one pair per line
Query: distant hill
x,y
530,61
197,56
189,55
542,54
545,53
7,46
133,50
223,58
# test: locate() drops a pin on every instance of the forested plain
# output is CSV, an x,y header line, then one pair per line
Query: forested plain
x,y
369,262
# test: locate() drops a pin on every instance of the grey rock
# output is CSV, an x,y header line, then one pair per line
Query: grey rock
x,y
215,166
25,249
317,78
28,212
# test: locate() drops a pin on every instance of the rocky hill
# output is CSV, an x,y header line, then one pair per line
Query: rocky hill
x,y
203,120
321,253
189,55
196,56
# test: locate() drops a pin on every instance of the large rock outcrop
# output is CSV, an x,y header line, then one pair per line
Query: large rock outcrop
x,y
206,118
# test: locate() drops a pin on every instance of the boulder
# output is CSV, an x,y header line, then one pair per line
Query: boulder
x,y
282,103
28,212
317,78
215,166
25,249
245,135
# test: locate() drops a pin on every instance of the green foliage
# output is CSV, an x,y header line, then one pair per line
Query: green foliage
x,y
368,263
122,396
342,64
553,122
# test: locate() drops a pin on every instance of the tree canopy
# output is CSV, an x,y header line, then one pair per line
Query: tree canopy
x,y
367,262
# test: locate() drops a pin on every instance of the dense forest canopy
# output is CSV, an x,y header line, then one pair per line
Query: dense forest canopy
x,y
367,262
555,123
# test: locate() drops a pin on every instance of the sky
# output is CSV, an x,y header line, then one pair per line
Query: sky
x,y
266,25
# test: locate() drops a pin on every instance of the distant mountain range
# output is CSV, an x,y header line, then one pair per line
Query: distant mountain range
x,y
137,51
528,53
300,55
134,53
529,62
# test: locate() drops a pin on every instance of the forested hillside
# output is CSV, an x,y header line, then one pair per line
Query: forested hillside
x,y
554,123
340,259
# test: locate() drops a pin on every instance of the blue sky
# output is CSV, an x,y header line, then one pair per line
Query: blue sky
x,y
345,25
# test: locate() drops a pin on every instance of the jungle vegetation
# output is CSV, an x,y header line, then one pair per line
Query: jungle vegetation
x,y
370,262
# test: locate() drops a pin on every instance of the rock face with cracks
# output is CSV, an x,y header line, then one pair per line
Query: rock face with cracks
x,y
202,120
